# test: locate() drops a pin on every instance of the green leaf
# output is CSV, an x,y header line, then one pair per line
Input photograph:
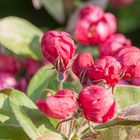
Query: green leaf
x,y
114,133
50,134
44,78
40,81
46,91
9,127
20,37
131,113
116,123
73,85
119,133
55,8
6,115
12,132
3,118
126,95
17,101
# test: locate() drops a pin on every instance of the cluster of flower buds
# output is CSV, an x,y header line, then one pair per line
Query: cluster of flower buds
x,y
115,50
118,61
116,66
105,70
96,103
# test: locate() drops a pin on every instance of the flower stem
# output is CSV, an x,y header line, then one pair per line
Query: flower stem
x,y
80,126
63,122
60,80
72,126
91,129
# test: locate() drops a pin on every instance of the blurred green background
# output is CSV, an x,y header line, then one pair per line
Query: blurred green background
x,y
26,10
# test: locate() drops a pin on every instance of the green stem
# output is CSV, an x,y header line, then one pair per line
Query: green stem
x,y
60,80
80,126
63,122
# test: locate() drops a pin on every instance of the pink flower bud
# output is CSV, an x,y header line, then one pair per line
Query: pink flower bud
x,y
60,106
114,43
91,31
9,64
58,48
97,104
32,65
82,62
106,68
7,80
129,57
80,66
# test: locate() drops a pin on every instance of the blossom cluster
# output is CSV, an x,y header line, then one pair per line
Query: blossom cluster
x,y
118,60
